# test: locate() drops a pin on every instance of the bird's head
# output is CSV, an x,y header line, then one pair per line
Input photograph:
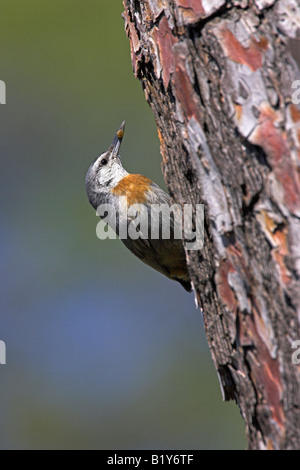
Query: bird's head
x,y
106,171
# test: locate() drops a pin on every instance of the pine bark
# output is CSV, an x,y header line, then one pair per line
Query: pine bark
x,y
218,76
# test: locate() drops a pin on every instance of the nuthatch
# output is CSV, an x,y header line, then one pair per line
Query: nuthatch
x,y
107,182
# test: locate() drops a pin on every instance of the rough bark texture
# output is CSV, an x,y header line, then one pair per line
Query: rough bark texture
x,y
218,76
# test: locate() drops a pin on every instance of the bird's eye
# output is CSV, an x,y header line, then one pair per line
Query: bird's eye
x,y
103,161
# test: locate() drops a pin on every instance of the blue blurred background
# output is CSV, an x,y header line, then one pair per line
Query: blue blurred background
x,y
102,352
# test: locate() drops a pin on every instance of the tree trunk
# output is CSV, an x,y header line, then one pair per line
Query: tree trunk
x,y
218,76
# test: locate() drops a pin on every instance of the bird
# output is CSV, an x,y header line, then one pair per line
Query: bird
x,y
108,183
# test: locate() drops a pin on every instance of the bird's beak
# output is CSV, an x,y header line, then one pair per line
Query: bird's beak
x,y
115,146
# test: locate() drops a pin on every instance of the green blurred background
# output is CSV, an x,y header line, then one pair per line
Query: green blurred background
x,y
102,351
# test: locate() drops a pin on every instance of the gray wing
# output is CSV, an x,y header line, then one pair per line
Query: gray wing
x,y
144,250
164,255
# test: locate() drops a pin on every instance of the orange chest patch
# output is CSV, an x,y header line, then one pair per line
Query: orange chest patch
x,y
134,187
